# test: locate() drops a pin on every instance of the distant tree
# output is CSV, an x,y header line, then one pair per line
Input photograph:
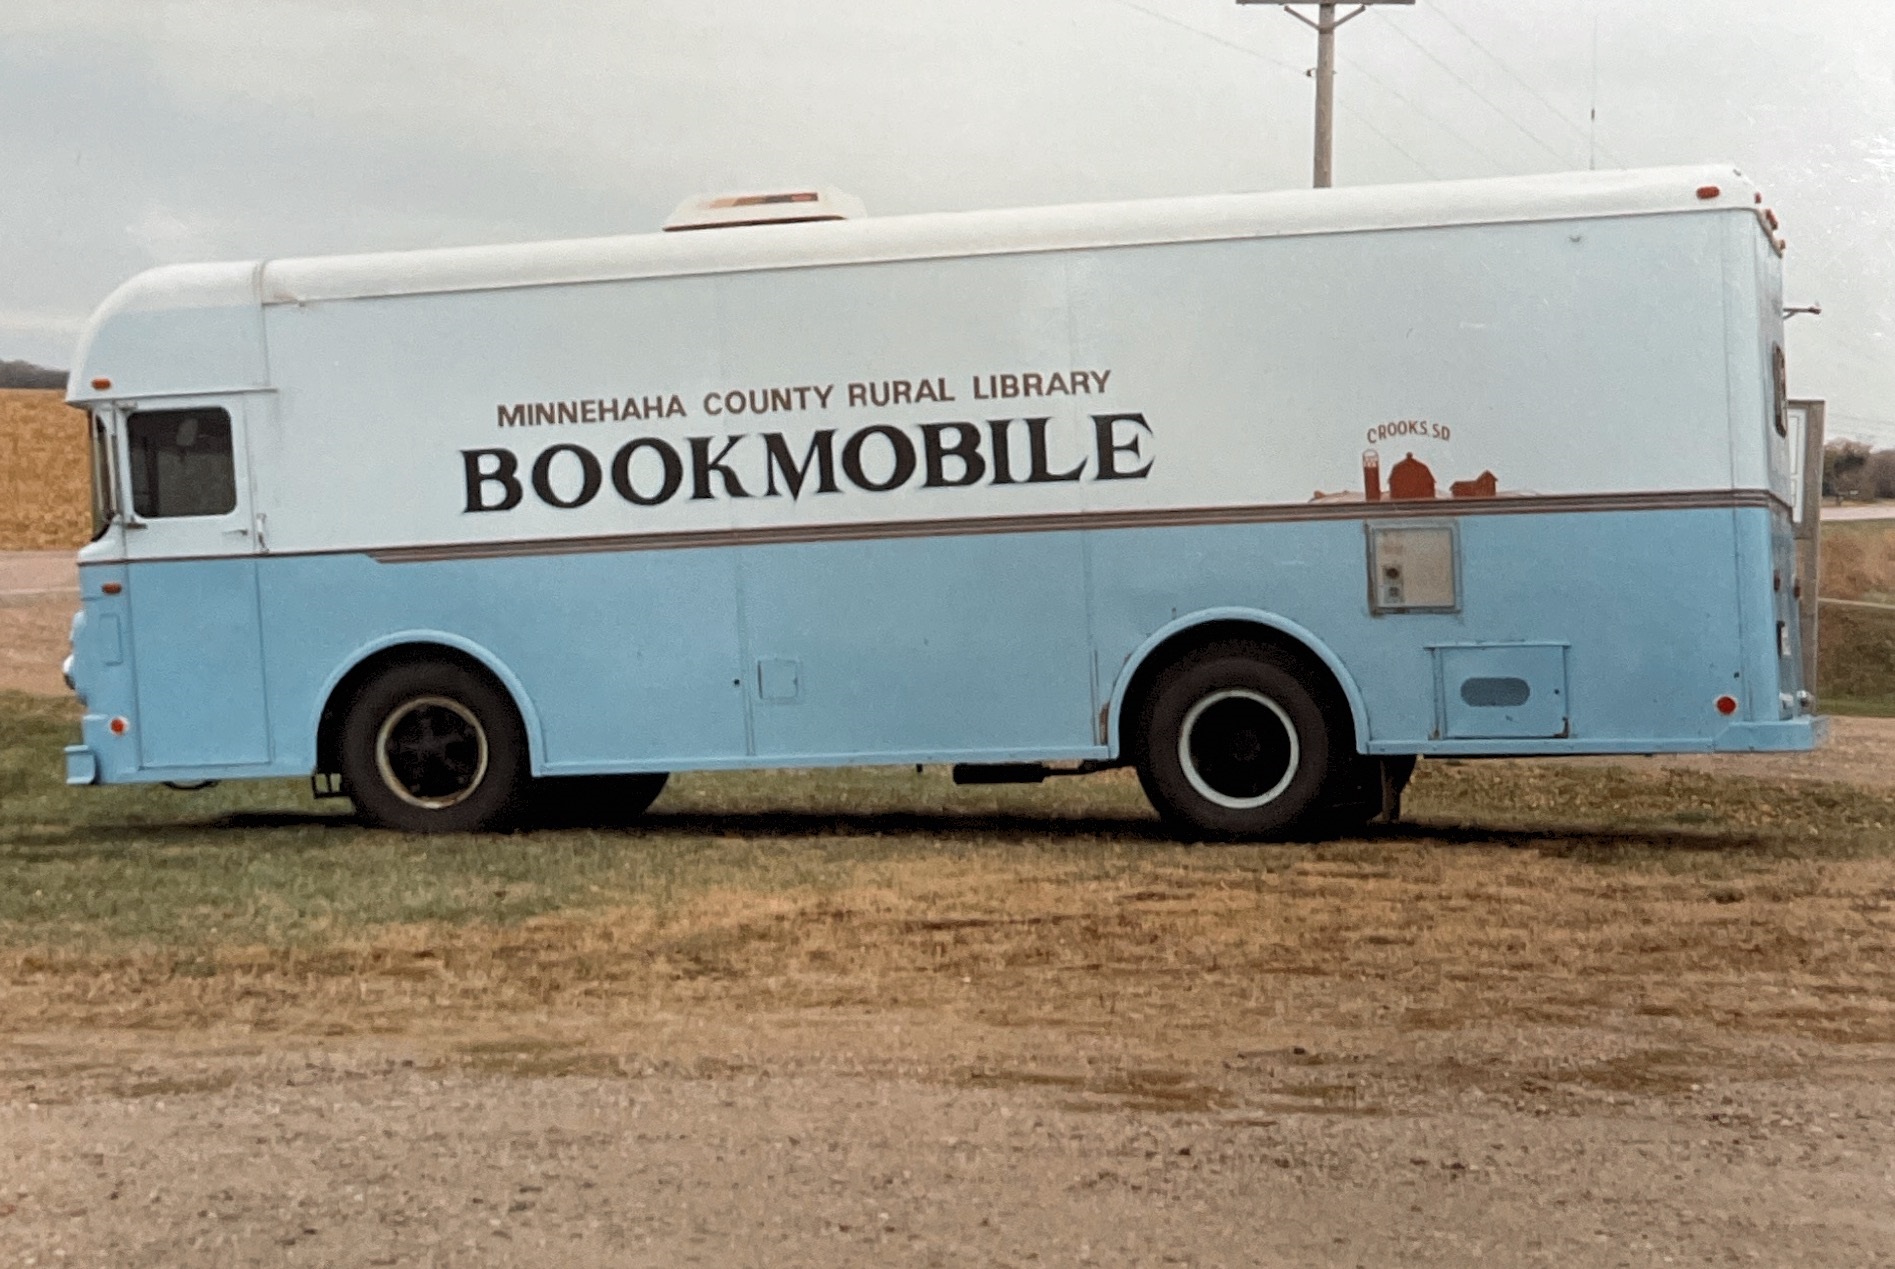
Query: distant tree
x,y
1845,469
1881,474
24,374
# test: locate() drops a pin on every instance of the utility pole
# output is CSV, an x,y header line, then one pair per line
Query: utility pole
x,y
1325,24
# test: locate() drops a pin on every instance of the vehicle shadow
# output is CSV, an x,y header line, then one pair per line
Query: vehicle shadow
x,y
972,826
1555,839
299,829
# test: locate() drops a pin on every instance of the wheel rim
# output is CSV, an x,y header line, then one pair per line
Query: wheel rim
x,y
1239,749
431,752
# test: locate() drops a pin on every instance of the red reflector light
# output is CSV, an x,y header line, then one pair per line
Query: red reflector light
x,y
1727,705
101,384
111,588
120,725
1708,191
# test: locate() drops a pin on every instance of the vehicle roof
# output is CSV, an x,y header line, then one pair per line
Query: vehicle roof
x,y
1561,196
227,288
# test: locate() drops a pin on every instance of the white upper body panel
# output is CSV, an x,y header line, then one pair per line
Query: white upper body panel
x,y
1562,335
122,344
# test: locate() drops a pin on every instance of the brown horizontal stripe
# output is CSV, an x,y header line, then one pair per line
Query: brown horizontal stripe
x,y
1066,522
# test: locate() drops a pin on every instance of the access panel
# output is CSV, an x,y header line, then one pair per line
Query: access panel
x,y
1501,691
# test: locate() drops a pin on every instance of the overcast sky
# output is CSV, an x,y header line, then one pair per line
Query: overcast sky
x,y
140,132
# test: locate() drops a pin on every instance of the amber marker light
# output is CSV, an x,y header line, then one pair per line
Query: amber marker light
x,y
1708,191
101,384
111,588
1727,705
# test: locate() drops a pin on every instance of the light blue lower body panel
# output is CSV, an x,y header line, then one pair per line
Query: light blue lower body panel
x,y
1585,632
197,659
965,645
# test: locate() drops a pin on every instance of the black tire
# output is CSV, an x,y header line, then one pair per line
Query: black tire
x,y
1234,744
433,747
609,801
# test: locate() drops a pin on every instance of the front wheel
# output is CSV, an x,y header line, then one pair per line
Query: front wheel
x,y
1234,745
432,747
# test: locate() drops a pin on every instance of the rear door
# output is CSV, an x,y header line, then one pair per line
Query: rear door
x,y
191,547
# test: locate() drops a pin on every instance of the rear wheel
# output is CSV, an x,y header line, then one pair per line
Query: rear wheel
x,y
433,747
1234,744
604,800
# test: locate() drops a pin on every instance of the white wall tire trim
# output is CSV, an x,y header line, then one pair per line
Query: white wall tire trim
x,y
1202,786
396,784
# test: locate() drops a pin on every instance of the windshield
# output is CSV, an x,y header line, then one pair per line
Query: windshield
x,y
104,497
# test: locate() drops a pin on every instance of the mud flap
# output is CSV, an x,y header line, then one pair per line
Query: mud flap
x,y
1396,772
82,765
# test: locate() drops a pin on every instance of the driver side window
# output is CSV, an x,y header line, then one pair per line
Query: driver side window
x,y
181,463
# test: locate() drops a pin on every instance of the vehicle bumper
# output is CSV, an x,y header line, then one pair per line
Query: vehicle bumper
x,y
82,765
1792,735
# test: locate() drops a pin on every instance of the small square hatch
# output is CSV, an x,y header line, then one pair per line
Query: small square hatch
x,y
1501,691
1413,568
779,679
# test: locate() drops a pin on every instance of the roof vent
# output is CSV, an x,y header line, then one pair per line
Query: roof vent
x,y
792,207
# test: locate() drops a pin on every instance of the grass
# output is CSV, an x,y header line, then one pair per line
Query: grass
x,y
1858,560
1521,892
263,862
1855,647
1855,651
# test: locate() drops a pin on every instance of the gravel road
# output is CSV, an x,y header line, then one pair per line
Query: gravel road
x,y
359,1156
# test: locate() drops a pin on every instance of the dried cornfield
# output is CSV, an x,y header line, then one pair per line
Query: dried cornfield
x,y
44,500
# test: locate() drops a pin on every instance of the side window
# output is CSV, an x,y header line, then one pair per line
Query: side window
x,y
181,463
1780,376
104,492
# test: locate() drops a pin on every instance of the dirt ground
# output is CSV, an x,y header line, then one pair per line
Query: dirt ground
x,y
891,1140
1684,1071
39,592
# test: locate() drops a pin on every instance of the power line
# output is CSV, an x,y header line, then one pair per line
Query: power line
x,y
1498,165
1535,93
1484,98
1392,144
1213,38
1357,115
